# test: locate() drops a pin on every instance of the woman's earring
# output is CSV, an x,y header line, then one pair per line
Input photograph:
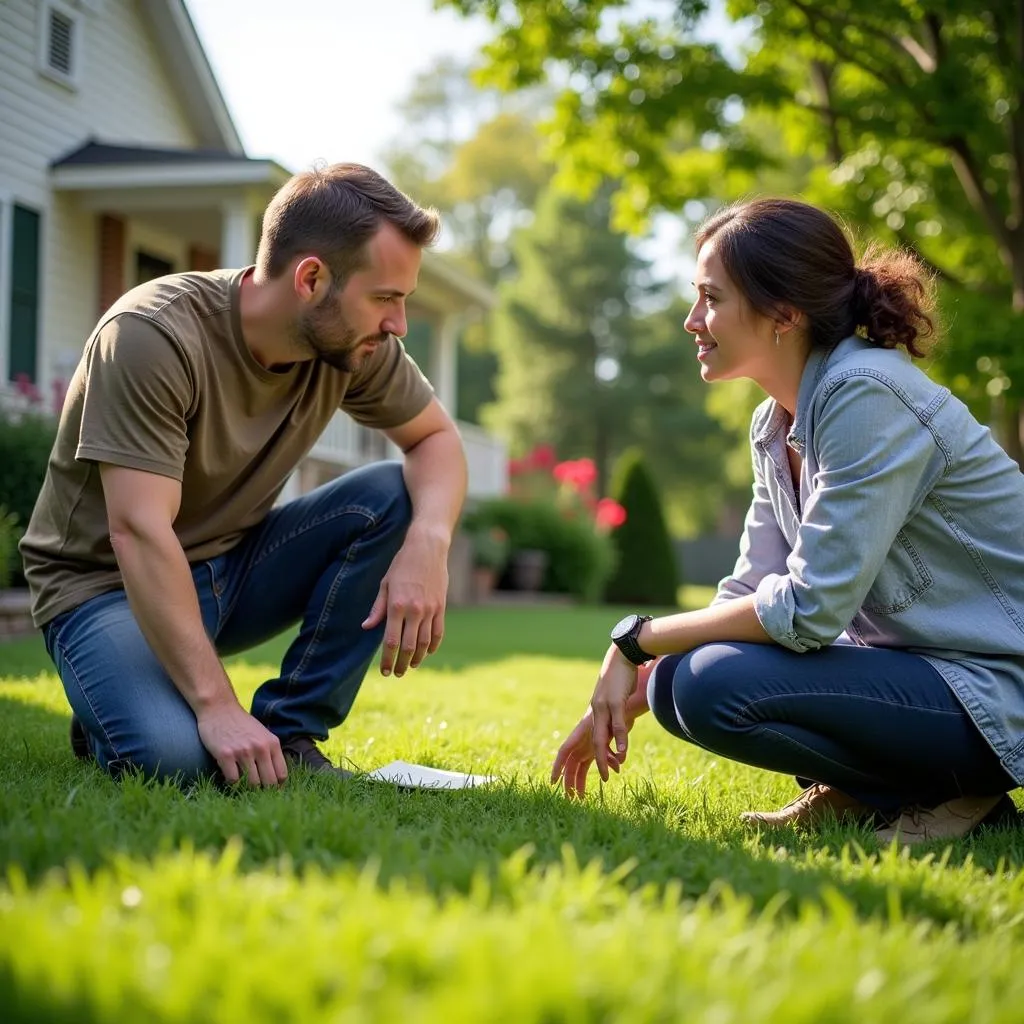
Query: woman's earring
x,y
776,339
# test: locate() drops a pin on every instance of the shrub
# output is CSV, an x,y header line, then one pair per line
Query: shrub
x,y
646,572
25,442
10,534
490,547
579,558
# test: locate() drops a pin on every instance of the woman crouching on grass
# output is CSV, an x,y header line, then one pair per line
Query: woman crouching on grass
x,y
870,640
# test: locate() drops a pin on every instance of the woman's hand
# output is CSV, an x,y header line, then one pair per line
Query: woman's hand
x,y
576,755
615,685
611,714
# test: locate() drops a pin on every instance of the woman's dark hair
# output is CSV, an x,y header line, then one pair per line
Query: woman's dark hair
x,y
332,212
781,252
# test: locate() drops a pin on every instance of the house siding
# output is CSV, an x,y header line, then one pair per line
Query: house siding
x,y
124,95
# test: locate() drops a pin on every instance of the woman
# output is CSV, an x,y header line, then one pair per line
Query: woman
x,y
870,640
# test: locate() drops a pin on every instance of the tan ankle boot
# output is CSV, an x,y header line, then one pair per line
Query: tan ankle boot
x,y
815,804
951,820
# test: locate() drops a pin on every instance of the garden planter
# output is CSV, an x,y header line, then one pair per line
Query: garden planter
x,y
15,617
528,569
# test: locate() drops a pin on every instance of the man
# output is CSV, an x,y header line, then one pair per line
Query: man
x,y
154,546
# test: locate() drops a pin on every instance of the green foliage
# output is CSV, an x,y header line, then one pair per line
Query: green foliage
x,y
10,534
904,117
490,546
646,572
355,902
25,443
579,559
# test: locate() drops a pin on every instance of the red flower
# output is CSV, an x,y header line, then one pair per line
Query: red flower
x,y
578,473
610,515
543,456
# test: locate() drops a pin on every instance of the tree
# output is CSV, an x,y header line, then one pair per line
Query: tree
x,y
477,158
907,116
561,331
646,569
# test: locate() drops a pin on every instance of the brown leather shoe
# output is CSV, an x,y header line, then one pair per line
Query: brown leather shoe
x,y
951,820
302,752
80,740
814,805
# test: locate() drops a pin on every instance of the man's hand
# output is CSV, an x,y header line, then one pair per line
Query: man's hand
x,y
242,746
412,597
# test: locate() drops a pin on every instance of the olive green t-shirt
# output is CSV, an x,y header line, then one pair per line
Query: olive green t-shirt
x,y
167,385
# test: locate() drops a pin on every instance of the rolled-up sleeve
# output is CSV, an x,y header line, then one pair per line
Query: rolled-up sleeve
x,y
876,462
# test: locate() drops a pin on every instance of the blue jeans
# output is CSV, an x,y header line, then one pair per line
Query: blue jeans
x,y
880,725
317,561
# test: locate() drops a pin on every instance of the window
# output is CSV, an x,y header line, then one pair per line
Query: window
x,y
23,338
148,267
59,43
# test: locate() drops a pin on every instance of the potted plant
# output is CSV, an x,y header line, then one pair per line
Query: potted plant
x,y
490,555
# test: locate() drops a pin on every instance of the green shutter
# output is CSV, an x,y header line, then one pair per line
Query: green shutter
x,y
24,334
417,343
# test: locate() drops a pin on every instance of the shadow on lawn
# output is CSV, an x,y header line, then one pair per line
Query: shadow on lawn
x,y
54,810
491,633
474,635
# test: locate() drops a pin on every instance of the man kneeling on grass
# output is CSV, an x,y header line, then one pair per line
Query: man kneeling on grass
x,y
155,546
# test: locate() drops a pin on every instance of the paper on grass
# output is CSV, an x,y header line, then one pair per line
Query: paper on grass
x,y
418,776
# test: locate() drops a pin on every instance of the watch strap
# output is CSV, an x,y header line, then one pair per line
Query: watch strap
x,y
629,644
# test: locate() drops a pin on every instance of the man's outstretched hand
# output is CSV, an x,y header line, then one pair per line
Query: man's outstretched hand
x,y
412,599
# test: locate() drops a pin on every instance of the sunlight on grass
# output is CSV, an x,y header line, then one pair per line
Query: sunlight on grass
x,y
355,901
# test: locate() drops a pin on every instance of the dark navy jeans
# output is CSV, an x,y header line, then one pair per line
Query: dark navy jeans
x,y
317,561
878,724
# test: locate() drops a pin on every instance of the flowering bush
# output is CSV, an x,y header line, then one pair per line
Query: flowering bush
x,y
551,506
568,485
27,432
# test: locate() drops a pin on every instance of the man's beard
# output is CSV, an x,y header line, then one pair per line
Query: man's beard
x,y
341,355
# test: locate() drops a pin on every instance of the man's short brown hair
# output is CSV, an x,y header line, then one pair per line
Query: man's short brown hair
x,y
332,212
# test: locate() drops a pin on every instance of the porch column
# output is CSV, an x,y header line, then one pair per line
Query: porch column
x,y
444,359
237,234
112,253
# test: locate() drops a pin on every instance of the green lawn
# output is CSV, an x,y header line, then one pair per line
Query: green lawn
x,y
337,902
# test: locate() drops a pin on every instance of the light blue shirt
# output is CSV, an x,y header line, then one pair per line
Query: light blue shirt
x,y
906,530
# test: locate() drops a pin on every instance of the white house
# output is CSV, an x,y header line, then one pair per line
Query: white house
x,y
119,161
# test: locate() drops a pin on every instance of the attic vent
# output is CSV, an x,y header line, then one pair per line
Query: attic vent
x,y
59,43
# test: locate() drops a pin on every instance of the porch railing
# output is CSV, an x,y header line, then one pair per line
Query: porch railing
x,y
345,444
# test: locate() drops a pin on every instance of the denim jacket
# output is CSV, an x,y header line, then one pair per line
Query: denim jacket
x,y
906,530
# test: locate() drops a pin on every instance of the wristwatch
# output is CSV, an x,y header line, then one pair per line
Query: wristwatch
x,y
624,636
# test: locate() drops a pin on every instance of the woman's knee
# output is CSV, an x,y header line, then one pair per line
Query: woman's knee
x,y
691,694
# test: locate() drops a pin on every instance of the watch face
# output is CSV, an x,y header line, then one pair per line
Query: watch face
x,y
623,626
